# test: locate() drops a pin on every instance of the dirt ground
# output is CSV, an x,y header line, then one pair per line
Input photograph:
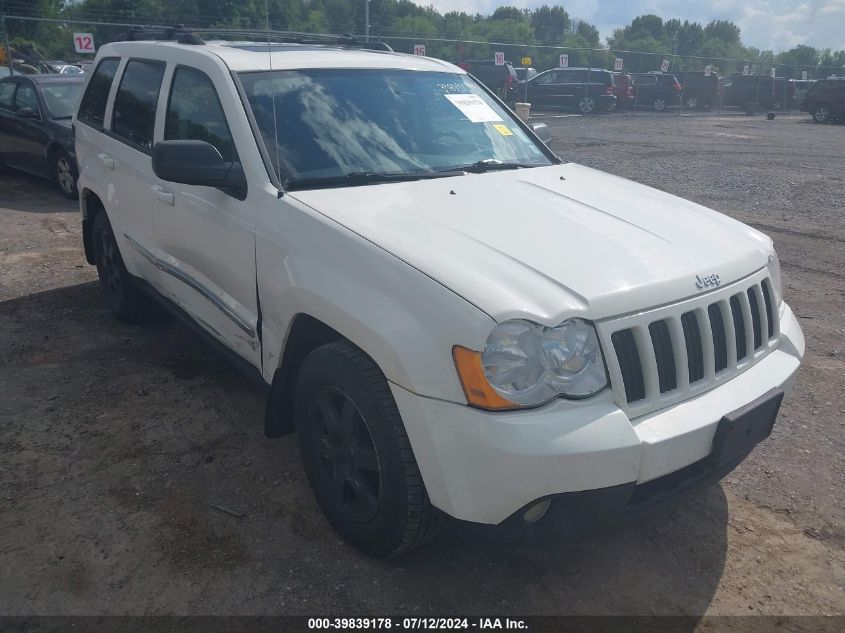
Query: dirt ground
x,y
116,442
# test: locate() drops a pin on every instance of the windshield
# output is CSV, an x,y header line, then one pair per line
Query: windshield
x,y
61,99
330,123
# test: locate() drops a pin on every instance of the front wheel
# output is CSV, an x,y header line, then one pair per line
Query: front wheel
x,y
64,173
356,453
822,113
692,103
586,105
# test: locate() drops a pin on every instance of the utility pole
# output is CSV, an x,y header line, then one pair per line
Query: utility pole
x,y
366,20
8,48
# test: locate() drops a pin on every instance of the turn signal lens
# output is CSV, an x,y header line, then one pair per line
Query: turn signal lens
x,y
477,389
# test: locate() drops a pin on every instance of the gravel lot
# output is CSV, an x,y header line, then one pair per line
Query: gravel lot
x,y
116,441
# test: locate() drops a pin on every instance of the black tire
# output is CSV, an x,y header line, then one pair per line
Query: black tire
x,y
822,113
659,104
357,456
692,103
64,174
125,299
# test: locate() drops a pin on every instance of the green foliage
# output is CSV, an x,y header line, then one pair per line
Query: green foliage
x,y
643,43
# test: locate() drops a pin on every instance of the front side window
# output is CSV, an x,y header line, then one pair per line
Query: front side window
x,y
335,123
135,104
92,110
194,113
25,98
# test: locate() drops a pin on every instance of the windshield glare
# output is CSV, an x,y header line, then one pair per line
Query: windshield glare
x,y
61,99
333,122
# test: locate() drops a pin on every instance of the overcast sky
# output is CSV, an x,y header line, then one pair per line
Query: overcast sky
x,y
766,24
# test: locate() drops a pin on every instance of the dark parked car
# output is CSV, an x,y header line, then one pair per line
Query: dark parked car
x,y
784,94
743,89
656,90
585,89
35,126
699,91
624,90
498,78
825,100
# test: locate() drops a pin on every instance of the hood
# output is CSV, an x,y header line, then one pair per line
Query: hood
x,y
549,243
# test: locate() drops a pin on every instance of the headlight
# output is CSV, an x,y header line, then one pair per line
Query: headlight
x,y
526,364
774,275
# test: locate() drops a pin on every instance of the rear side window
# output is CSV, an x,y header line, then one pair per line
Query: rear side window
x,y
92,109
7,91
135,104
25,98
194,113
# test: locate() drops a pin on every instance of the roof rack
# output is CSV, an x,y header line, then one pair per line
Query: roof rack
x,y
183,35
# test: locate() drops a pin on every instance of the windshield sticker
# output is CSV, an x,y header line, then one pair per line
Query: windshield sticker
x,y
473,107
504,130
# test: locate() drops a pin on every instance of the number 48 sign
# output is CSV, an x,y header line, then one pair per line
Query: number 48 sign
x,y
83,43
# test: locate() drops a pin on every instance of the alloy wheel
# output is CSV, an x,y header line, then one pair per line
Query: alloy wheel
x,y
586,105
659,105
347,456
692,103
821,114
64,174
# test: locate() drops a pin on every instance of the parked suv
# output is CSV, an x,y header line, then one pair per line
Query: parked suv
x,y
585,89
451,319
699,90
498,78
825,100
657,91
740,90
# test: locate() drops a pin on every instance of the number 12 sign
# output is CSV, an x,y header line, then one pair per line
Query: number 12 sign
x,y
83,43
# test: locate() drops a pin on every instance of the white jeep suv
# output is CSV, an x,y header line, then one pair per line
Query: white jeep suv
x,y
453,321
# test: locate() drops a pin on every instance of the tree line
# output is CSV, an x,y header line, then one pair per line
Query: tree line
x,y
646,41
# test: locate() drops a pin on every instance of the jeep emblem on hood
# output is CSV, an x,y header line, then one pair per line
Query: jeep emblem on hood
x,y
702,282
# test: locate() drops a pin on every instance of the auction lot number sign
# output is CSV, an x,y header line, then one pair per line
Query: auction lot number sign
x,y
83,43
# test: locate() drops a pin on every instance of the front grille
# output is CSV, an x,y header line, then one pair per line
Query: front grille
x,y
663,353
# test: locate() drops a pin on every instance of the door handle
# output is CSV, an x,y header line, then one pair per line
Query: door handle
x,y
164,195
108,161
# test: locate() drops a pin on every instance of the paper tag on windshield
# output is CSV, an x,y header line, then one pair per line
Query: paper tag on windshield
x,y
474,108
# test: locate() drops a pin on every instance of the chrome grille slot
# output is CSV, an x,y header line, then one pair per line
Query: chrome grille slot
x,y
661,341
720,341
661,356
695,353
629,362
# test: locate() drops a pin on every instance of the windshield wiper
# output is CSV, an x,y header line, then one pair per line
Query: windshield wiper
x,y
365,178
490,164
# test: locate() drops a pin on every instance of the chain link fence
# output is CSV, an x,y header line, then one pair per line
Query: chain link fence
x,y
29,44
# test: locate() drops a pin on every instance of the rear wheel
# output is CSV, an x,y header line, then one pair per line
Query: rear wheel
x,y
659,104
128,302
822,113
586,105
356,453
64,173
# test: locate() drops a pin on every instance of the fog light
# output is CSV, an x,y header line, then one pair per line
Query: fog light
x,y
537,511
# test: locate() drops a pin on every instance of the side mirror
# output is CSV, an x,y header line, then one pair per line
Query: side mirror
x,y
542,131
196,163
27,113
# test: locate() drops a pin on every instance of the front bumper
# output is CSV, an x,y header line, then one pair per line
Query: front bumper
x,y
484,467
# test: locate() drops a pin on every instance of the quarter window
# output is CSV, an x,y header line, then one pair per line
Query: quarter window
x,y
7,91
194,113
135,104
92,110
